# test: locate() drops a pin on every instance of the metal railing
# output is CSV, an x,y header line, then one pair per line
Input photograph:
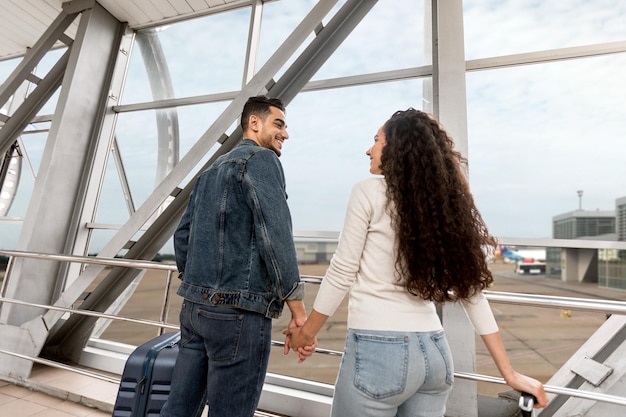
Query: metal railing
x,y
607,306
125,263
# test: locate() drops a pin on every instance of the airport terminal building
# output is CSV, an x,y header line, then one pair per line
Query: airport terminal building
x,y
606,266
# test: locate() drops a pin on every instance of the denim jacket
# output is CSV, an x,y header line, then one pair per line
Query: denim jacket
x,y
234,244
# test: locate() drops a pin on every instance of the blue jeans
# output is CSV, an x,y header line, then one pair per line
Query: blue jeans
x,y
224,353
393,374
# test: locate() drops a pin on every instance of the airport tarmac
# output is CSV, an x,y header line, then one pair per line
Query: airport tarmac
x,y
538,340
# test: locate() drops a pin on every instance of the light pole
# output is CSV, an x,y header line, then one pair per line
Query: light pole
x,y
580,199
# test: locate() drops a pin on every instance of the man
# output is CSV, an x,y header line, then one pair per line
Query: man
x,y
237,261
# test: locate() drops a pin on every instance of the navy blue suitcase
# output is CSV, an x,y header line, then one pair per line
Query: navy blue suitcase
x,y
147,376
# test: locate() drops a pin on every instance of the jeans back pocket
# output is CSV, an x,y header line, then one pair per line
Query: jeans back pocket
x,y
221,333
381,364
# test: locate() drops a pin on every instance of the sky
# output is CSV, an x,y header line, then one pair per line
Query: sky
x,y
537,133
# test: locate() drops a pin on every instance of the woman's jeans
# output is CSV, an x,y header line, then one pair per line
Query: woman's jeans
x,y
224,353
393,374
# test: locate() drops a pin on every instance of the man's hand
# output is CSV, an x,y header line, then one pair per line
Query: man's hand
x,y
302,337
298,318
294,323
303,346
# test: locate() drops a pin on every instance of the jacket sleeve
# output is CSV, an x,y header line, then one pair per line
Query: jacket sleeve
x,y
181,236
264,181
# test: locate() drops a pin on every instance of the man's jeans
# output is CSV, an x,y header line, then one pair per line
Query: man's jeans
x,y
223,352
393,374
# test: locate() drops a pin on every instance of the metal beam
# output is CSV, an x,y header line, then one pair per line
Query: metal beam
x,y
254,39
33,103
52,218
607,345
34,55
70,338
170,184
168,136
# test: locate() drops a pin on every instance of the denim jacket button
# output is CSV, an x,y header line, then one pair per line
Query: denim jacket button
x,y
205,296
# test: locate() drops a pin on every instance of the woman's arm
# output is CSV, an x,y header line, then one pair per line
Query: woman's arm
x,y
514,379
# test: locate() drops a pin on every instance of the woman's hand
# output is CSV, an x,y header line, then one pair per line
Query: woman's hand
x,y
530,385
303,346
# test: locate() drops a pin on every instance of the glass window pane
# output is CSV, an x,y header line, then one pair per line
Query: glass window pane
x,y
32,152
538,134
329,132
389,37
511,27
137,137
196,56
6,67
280,18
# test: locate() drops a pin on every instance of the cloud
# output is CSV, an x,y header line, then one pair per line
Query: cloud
x,y
537,133
506,27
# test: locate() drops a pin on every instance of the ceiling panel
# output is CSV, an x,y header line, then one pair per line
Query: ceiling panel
x,y
22,22
181,6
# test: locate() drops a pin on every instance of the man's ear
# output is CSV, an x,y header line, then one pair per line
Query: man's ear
x,y
254,122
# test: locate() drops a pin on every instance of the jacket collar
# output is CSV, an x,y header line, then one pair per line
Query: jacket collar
x,y
247,141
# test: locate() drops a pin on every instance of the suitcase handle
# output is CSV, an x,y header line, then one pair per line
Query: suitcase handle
x,y
526,403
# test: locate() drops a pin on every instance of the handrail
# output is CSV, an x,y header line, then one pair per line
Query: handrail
x,y
562,243
127,263
59,365
588,395
585,304
553,301
548,301
617,307
511,241
91,313
116,381
330,352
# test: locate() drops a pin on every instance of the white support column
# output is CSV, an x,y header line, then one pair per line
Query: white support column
x,y
463,400
579,265
449,95
446,99
254,39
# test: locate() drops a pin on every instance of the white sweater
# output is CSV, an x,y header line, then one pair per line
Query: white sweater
x,y
364,266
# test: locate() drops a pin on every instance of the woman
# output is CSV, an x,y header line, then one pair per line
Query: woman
x,y
411,238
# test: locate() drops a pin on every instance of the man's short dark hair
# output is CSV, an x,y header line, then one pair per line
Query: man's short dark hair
x,y
260,106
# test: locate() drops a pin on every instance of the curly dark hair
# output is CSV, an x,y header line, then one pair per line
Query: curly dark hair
x,y
441,236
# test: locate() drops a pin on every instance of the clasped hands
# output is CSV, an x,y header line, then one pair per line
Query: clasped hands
x,y
303,346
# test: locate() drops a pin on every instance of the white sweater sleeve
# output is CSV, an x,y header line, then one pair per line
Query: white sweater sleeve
x,y
479,312
345,263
